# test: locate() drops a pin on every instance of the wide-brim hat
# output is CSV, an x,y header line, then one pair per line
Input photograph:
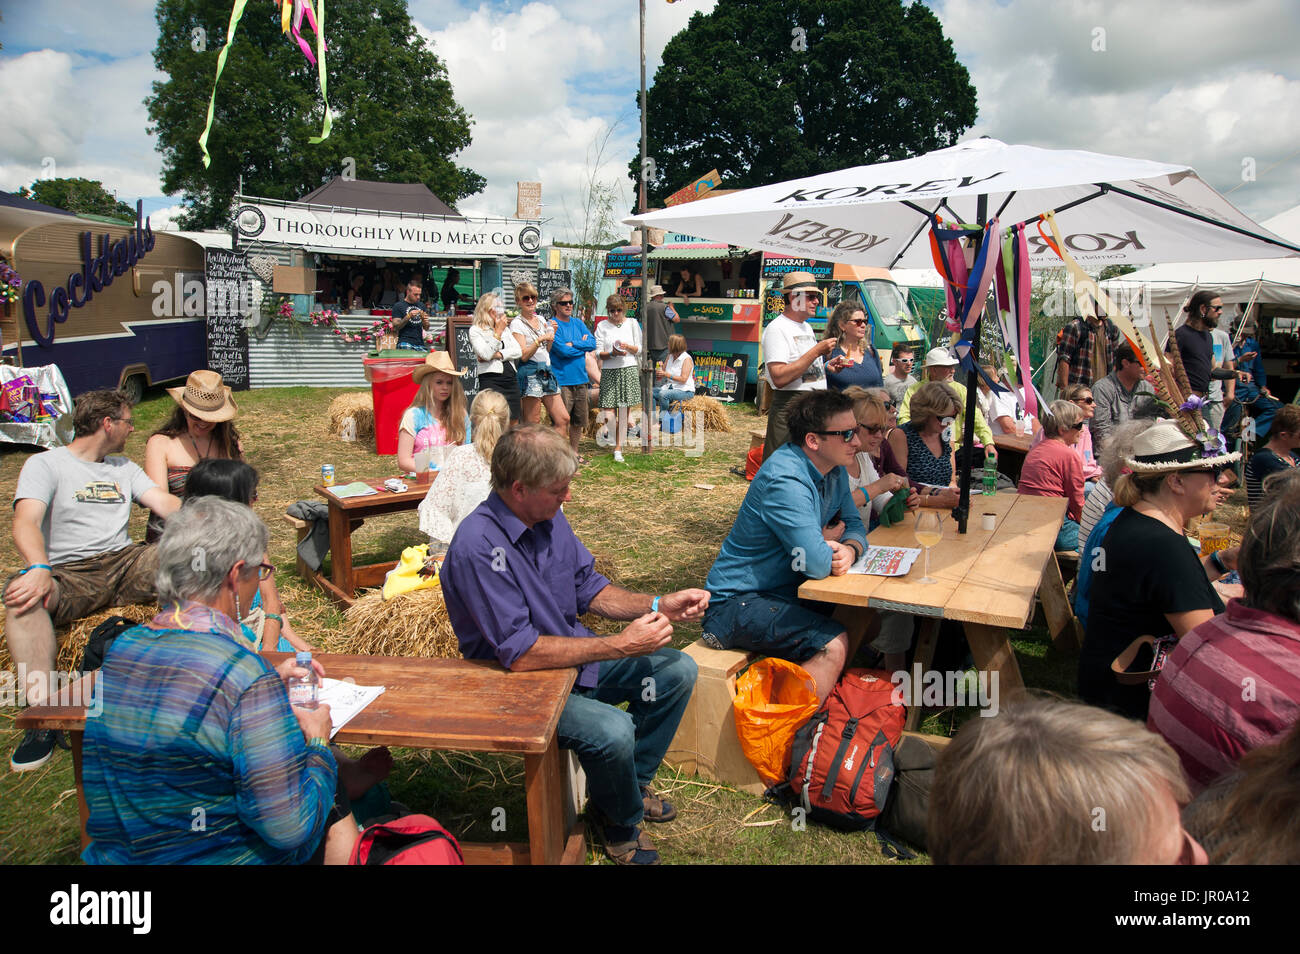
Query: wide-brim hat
x,y
799,281
205,397
656,290
940,358
436,361
1164,447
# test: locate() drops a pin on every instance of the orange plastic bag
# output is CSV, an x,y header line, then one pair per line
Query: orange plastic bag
x,y
774,698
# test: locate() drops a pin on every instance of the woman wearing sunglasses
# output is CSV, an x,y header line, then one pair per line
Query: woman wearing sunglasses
x,y
537,383
871,490
859,365
1080,395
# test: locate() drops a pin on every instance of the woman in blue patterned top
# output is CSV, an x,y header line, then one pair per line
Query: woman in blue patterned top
x,y
924,444
197,756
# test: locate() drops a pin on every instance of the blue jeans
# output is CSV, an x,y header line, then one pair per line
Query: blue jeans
x,y
1068,538
621,751
664,397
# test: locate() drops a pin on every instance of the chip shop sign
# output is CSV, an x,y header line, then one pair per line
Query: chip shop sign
x,y
295,223
97,272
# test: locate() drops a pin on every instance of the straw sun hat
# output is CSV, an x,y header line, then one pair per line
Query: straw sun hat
x,y
1165,448
436,361
799,281
205,397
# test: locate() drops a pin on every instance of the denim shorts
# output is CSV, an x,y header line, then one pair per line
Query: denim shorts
x,y
537,380
769,625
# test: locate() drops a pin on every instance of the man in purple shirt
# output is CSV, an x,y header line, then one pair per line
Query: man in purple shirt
x,y
516,579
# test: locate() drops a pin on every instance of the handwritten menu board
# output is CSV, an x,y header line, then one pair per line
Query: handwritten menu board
x,y
548,280
463,354
229,287
623,264
775,267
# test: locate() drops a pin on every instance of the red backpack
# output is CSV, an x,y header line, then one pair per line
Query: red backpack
x,y
842,762
408,840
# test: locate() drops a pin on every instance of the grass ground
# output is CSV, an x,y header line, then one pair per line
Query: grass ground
x,y
647,522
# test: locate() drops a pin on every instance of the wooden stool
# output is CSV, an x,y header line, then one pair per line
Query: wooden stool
x,y
706,743
302,528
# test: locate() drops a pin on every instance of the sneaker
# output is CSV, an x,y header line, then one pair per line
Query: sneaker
x,y
34,750
618,456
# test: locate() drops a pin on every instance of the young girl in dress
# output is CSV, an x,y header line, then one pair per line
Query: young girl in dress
x,y
437,416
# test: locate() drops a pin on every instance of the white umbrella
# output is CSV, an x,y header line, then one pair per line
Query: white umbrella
x,y
1110,209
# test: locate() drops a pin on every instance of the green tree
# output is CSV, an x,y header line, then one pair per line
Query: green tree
x,y
768,90
396,118
83,196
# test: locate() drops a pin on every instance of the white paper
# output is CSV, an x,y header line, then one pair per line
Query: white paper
x,y
355,489
345,700
886,561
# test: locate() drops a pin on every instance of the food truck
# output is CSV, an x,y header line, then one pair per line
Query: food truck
x,y
111,305
741,293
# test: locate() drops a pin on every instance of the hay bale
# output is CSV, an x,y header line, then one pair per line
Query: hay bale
x,y
413,624
713,414
73,643
357,406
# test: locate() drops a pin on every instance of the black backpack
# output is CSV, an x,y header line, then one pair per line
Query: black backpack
x,y
92,657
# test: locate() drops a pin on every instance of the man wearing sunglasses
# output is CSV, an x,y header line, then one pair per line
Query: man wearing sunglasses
x,y
798,522
899,379
1196,346
573,341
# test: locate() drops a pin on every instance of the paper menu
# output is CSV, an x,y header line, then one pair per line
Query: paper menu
x,y
886,561
345,700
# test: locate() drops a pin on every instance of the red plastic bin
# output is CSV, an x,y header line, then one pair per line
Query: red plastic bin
x,y
391,391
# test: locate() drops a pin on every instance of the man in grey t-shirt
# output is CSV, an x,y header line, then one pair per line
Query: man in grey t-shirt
x,y
899,378
71,511
658,314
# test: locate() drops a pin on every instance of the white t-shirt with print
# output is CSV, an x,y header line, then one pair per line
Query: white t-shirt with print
x,y
785,340
87,503
520,327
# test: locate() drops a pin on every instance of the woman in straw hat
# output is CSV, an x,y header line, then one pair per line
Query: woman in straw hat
x,y
1147,579
200,428
466,476
437,416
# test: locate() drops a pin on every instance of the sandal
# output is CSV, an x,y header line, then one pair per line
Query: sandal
x,y
583,461
738,471
655,808
640,851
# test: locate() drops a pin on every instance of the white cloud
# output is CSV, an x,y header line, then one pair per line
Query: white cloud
x,y
43,124
165,219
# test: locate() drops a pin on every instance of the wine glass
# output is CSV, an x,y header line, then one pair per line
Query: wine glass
x,y
929,531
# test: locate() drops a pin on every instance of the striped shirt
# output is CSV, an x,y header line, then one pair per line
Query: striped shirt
x,y
1262,464
1231,685
197,756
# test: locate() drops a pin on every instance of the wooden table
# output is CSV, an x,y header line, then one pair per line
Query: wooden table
x,y
345,516
449,704
987,581
1012,449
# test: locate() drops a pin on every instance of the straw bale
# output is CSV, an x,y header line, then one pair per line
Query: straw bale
x,y
357,406
714,414
73,643
412,624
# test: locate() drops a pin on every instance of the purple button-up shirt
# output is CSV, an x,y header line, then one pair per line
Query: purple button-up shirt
x,y
506,584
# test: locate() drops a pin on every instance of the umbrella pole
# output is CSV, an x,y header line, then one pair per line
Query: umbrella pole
x,y
962,512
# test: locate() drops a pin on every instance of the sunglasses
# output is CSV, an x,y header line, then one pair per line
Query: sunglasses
x,y
528,298
1086,400
562,304
891,405
1074,427
1216,470
871,428
845,435
857,321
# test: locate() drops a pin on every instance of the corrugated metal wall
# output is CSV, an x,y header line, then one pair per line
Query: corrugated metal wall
x,y
315,358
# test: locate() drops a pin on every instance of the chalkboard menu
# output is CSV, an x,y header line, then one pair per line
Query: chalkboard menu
x,y
463,354
774,267
548,280
623,264
720,374
230,284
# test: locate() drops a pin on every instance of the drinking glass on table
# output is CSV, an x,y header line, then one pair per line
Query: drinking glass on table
x,y
929,531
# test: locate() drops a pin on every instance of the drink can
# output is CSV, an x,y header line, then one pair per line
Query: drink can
x,y
327,474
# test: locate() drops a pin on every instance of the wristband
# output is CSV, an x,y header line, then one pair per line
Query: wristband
x,y
654,605
36,566
1218,562
275,616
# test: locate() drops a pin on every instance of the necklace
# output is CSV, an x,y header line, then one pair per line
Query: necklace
x,y
206,448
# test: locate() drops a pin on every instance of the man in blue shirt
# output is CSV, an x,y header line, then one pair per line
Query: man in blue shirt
x,y
516,580
1252,389
798,521
573,340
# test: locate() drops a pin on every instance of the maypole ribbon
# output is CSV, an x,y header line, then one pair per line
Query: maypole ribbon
x,y
292,13
1013,293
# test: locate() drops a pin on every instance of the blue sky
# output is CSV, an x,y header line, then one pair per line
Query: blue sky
x,y
1210,84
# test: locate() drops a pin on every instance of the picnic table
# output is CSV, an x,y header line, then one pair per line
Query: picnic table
x,y
1012,449
987,581
345,516
441,704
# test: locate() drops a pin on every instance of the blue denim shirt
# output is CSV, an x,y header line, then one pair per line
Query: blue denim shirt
x,y
573,340
1255,365
776,542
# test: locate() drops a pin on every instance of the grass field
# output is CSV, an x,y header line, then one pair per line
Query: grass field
x,y
647,522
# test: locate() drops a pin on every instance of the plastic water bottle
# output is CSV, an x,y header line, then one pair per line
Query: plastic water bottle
x,y
303,690
990,475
